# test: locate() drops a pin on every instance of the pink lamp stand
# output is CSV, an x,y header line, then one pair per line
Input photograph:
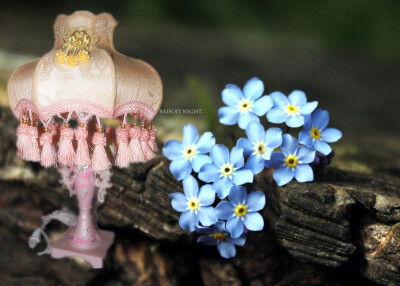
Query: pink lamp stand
x,y
85,239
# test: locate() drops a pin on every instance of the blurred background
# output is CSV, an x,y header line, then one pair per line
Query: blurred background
x,y
344,54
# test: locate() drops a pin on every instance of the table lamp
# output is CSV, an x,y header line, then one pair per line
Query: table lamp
x,y
61,100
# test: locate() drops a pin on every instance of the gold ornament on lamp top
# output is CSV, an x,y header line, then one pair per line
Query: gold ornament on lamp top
x,y
76,49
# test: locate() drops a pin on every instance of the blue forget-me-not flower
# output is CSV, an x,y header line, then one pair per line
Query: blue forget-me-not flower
x,y
195,204
244,106
259,145
290,109
219,236
292,162
241,210
315,133
225,170
190,154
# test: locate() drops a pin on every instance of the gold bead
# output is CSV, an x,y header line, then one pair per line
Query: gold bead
x,y
99,130
134,124
66,125
31,123
81,125
122,126
46,129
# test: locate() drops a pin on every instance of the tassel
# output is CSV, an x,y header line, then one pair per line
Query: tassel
x,y
135,150
144,139
122,159
82,151
100,160
152,139
66,152
22,138
32,152
48,156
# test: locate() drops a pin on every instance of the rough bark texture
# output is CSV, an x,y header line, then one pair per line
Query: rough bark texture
x,y
342,229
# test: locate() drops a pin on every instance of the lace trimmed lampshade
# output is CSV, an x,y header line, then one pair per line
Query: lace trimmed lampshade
x,y
83,80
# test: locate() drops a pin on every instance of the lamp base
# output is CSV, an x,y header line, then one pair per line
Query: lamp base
x,y
62,248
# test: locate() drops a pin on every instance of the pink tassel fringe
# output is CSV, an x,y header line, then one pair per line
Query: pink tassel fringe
x,y
122,159
32,152
144,139
22,139
100,159
82,151
152,140
135,149
48,156
66,153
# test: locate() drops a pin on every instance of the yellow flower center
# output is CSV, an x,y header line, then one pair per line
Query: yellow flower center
x,y
219,236
227,170
189,152
241,210
194,204
60,58
83,57
245,105
315,134
291,109
291,161
71,61
260,148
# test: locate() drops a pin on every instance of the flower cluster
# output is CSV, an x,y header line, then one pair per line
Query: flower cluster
x,y
224,172
294,158
221,173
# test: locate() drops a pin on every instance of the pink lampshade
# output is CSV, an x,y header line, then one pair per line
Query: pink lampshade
x,y
84,77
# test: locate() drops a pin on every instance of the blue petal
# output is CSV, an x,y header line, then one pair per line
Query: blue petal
x,y
305,155
224,210
254,221
242,176
308,107
232,95
204,230
255,131
262,105
276,115
209,173
289,145
255,201
190,135
207,240
297,98
246,118
304,173
205,142
190,187
277,160
246,145
320,118
273,137
279,99
173,149
235,226
237,195
206,195
255,164
207,216
220,227
308,124
219,155
283,175
305,138
226,249
253,89
199,161
188,220
236,157
180,168
228,115
322,147
223,185
179,202
331,135
295,120
268,153
241,240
